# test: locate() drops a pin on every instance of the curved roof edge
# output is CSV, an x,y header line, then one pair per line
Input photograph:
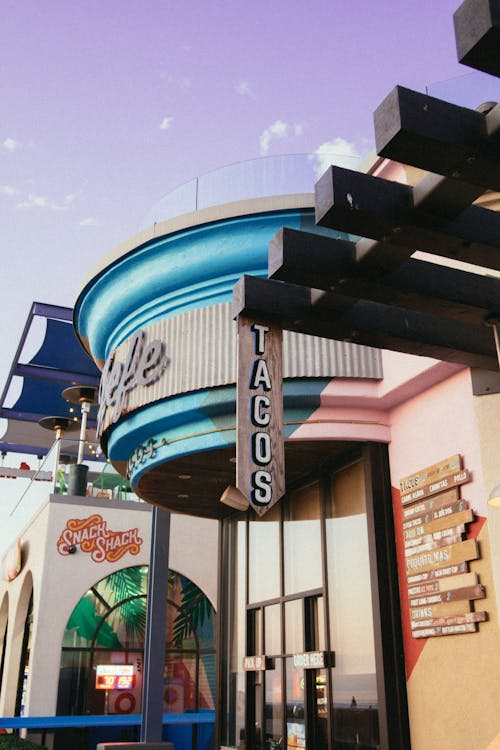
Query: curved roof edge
x,y
198,218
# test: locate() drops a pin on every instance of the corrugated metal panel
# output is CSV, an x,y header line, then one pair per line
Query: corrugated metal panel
x,y
201,348
310,356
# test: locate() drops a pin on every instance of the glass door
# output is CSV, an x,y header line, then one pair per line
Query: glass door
x,y
307,684
287,687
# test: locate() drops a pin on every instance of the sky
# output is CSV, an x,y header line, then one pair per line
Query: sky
x,y
107,105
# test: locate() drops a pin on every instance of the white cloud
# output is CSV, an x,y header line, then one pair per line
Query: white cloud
x,y
278,131
88,222
166,123
337,151
8,190
41,201
34,200
243,89
10,144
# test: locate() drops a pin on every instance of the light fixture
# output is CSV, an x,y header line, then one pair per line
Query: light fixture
x,y
494,497
234,498
85,395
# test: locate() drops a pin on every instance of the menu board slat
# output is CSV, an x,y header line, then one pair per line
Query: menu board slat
x,y
441,589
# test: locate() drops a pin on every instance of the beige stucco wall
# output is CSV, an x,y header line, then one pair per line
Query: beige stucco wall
x,y
58,582
454,681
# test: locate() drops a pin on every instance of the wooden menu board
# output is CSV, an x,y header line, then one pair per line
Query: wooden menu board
x,y
441,589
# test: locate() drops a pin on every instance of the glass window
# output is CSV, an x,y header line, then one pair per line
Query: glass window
x,y
264,557
295,705
273,708
235,647
107,627
272,620
302,541
24,665
294,627
350,604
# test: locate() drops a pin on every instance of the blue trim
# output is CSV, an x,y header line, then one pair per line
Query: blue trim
x,y
201,421
114,720
182,271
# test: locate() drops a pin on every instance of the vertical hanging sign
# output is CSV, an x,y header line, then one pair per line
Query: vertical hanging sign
x,y
260,453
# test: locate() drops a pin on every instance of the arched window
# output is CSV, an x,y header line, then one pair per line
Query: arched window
x,y
106,633
24,663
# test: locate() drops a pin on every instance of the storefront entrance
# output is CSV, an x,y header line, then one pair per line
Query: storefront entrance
x,y
307,668
305,708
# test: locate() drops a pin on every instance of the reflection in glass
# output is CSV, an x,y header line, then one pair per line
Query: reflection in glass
x,y
294,628
107,626
295,706
351,621
255,630
272,620
235,648
320,708
302,541
320,624
273,710
264,557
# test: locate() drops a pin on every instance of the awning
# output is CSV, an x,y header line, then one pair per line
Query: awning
x,y
59,363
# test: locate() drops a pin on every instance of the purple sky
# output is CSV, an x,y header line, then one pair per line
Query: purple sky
x,y
106,105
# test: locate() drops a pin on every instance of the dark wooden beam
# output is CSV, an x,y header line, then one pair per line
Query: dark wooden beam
x,y
304,258
383,210
364,322
312,260
477,34
431,134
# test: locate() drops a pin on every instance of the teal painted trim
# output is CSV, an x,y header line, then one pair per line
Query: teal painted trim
x,y
173,419
208,293
201,421
182,271
301,398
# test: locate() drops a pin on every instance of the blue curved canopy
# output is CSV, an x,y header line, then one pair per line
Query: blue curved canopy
x,y
59,363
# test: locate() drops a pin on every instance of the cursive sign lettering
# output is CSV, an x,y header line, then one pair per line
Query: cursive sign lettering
x,y
92,536
143,365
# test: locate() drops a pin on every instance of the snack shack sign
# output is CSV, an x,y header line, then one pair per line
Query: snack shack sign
x,y
260,447
91,535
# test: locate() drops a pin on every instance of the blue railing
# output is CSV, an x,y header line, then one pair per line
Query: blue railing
x,y
115,720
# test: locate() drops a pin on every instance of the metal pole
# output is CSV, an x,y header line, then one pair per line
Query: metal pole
x,y
83,430
497,341
59,435
492,321
156,629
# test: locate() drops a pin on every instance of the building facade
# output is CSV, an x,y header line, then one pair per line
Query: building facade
x,y
73,605
360,611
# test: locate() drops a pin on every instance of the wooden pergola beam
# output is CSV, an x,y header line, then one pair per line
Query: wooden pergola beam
x,y
477,34
384,211
460,143
329,264
333,316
